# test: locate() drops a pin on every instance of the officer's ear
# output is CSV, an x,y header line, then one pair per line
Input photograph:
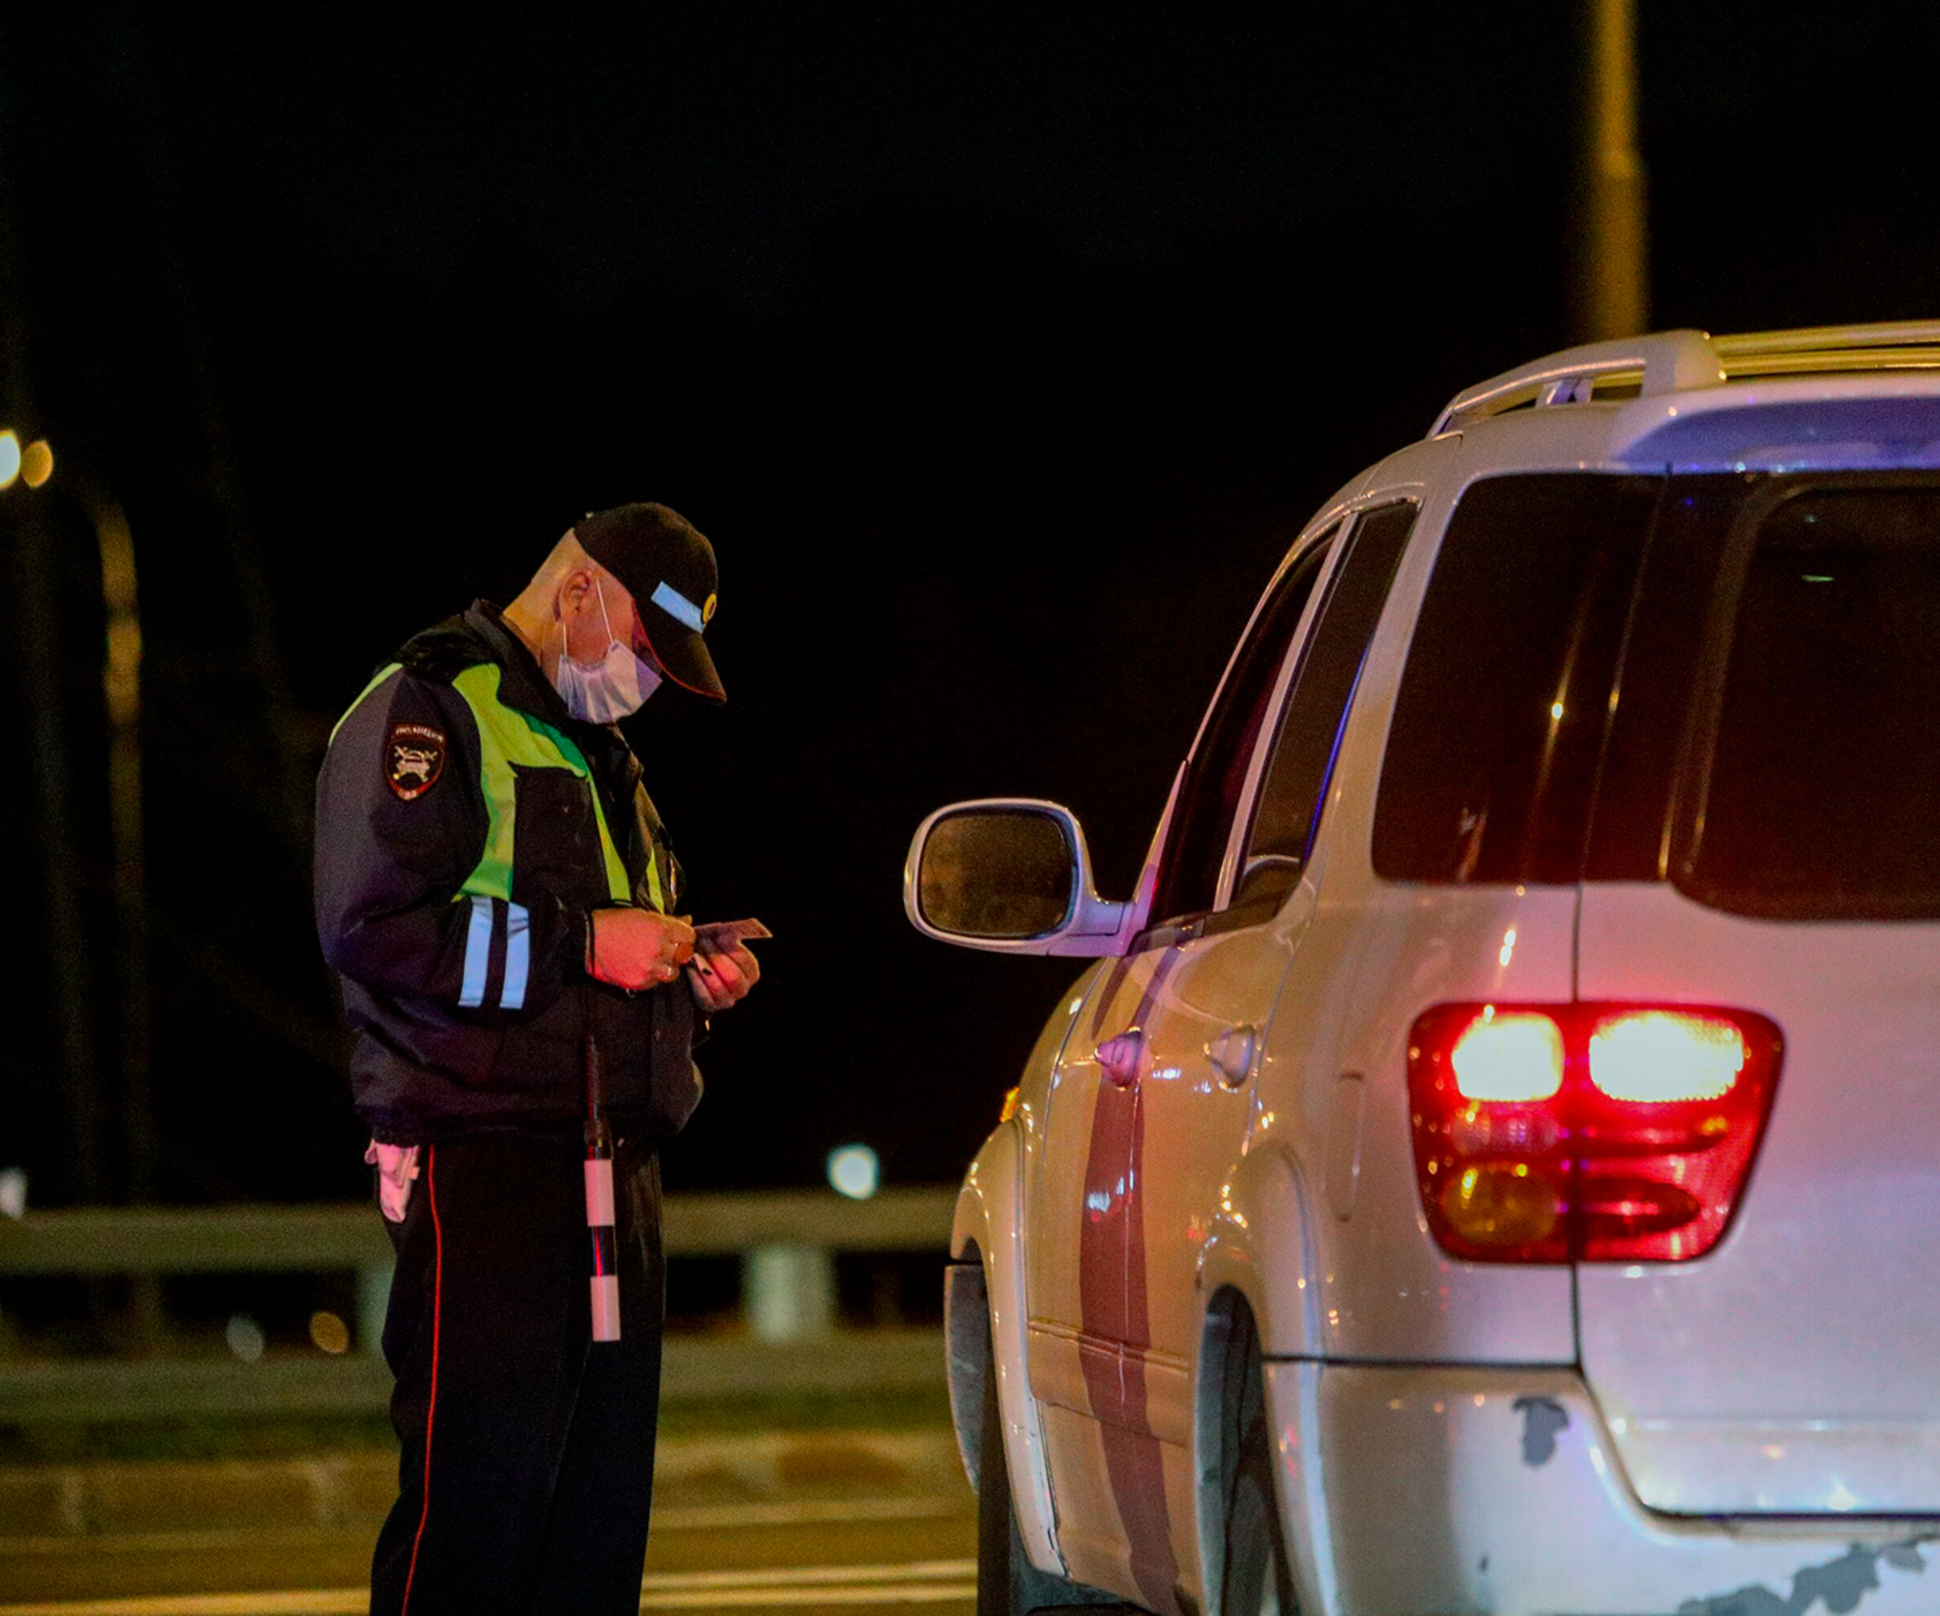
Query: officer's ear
x,y
576,594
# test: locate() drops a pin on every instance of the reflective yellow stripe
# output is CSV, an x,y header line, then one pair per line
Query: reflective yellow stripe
x,y
509,738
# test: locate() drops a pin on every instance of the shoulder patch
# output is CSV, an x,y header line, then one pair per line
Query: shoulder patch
x,y
414,758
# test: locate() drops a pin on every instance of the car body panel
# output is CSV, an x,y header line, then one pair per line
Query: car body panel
x,y
1385,1290
1372,956
1785,424
1791,1369
1135,1558
1499,1489
988,1220
1109,1409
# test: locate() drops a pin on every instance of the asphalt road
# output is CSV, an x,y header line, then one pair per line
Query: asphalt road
x,y
865,1521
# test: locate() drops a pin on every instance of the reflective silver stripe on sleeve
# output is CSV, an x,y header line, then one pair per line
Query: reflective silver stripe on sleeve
x,y
677,606
518,956
478,954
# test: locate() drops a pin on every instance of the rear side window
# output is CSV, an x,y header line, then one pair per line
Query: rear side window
x,y
1499,724
1209,796
1816,789
1288,812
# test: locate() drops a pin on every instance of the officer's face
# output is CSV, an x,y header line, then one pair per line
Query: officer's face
x,y
602,605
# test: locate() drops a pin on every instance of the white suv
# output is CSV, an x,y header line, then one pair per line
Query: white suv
x,y
1494,1163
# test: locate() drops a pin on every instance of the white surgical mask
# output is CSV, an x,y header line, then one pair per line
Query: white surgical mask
x,y
608,690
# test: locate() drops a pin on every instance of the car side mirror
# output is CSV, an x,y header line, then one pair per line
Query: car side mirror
x,y
1009,874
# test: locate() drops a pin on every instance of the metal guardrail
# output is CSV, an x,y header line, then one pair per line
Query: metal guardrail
x,y
787,1242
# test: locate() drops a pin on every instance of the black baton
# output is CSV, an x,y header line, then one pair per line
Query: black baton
x,y
599,1203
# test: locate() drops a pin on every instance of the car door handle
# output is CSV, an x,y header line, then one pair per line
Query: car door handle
x,y
1232,1054
1118,1055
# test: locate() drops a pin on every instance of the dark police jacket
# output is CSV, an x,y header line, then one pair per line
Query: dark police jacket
x,y
467,825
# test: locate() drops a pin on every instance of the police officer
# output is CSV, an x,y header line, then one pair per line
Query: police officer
x,y
493,886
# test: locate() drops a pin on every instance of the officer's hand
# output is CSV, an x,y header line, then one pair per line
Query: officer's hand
x,y
721,977
636,948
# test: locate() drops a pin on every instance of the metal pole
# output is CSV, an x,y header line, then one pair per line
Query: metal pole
x,y
1613,276
38,632
66,945
121,683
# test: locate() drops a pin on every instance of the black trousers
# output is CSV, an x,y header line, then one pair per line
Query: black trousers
x,y
527,1469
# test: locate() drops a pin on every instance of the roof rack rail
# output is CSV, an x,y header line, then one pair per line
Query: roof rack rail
x,y
1830,338
1677,361
1664,362
1909,345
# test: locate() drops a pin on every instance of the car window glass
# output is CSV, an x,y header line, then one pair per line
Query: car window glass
x,y
1209,797
1658,674
1499,721
1823,773
1315,713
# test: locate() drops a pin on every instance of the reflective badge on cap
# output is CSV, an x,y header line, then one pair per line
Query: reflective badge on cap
x,y
414,757
682,610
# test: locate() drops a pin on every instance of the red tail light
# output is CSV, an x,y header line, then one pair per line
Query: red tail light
x,y
1586,1132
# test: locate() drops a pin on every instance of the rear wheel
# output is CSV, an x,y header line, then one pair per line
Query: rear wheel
x,y
1007,1583
1256,1581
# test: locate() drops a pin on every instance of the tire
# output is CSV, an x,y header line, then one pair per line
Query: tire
x,y
1007,1583
1256,1581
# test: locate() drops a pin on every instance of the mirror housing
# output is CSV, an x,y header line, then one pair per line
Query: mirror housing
x,y
1010,875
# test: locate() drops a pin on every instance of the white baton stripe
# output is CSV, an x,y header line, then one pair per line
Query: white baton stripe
x,y
518,956
478,954
677,606
599,1193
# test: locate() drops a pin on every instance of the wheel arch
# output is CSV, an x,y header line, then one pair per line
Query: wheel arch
x,y
985,1328
1262,1246
1257,1273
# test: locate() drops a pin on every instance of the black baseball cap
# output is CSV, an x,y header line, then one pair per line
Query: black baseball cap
x,y
668,568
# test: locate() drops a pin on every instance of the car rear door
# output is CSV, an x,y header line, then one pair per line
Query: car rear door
x,y
1765,842
1116,1482
1171,1044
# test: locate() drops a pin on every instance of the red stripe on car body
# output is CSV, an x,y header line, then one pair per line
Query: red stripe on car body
x,y
1115,1306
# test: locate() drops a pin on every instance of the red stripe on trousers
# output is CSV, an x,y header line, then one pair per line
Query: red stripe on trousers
x,y
431,1407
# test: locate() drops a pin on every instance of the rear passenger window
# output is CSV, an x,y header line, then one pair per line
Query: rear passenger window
x,y
1492,754
1315,713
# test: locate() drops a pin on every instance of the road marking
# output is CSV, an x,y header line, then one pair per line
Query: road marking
x,y
907,1593
677,1518
809,1512
922,1582
916,1571
307,1602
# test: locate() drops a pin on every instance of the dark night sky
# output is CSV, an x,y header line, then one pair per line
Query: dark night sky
x,y
999,354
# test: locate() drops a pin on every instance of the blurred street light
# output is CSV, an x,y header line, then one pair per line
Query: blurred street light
x,y
329,1332
245,1337
854,1171
9,458
36,463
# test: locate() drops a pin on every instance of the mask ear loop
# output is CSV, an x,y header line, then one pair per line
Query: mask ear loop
x,y
612,639
566,639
